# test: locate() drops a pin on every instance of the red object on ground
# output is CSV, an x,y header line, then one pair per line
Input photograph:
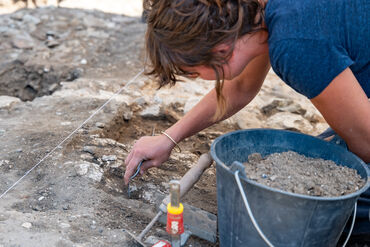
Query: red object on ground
x,y
162,243
175,224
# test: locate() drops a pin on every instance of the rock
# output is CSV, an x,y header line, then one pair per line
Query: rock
x,y
109,158
6,102
127,115
293,108
86,156
152,111
286,120
23,42
27,225
91,21
103,142
313,117
280,105
95,172
89,149
273,177
51,43
140,101
82,169
64,225
100,125
31,19
4,162
4,29
53,87
247,118
18,16
90,170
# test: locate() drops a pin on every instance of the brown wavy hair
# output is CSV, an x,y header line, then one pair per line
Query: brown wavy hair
x,y
185,32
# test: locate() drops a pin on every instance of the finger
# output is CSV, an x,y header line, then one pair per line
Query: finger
x,y
129,157
146,165
131,168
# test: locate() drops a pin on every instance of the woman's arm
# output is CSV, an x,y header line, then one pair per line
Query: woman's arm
x,y
238,93
346,108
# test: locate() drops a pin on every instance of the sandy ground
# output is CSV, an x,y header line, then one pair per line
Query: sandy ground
x,y
125,7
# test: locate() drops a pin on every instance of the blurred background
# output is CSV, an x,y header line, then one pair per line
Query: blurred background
x,y
126,7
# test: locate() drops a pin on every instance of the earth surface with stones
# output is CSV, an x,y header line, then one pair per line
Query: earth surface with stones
x,y
57,67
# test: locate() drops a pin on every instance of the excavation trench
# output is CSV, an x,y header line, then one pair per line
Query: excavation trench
x,y
153,185
30,81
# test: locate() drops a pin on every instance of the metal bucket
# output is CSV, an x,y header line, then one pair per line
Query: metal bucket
x,y
286,219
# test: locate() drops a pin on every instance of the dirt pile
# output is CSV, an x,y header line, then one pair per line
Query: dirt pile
x,y
292,172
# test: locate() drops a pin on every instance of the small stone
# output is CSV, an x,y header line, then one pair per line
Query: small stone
x,y
100,125
41,198
64,225
109,158
89,149
151,111
273,177
4,162
51,34
7,102
86,156
27,225
27,18
52,43
127,115
23,42
255,158
140,101
95,173
53,87
82,169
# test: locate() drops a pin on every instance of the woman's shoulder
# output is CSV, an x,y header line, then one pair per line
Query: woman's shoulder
x,y
315,19
307,65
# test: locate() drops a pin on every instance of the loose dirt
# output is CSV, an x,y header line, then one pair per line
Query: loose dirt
x,y
292,172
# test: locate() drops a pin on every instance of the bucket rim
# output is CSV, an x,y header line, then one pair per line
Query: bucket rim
x,y
318,198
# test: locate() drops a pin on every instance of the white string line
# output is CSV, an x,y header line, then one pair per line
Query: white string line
x,y
79,127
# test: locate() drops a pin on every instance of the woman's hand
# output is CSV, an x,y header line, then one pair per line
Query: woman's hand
x,y
154,150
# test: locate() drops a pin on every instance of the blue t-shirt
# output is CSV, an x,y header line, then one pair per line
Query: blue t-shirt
x,y
313,41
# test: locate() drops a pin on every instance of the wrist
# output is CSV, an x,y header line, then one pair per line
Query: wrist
x,y
173,141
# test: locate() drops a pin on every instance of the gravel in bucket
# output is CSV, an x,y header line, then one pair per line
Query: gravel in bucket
x,y
292,172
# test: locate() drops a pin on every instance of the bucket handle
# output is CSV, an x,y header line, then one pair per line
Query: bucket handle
x,y
242,192
236,175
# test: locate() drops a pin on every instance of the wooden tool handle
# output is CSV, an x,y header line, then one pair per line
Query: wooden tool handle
x,y
190,178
